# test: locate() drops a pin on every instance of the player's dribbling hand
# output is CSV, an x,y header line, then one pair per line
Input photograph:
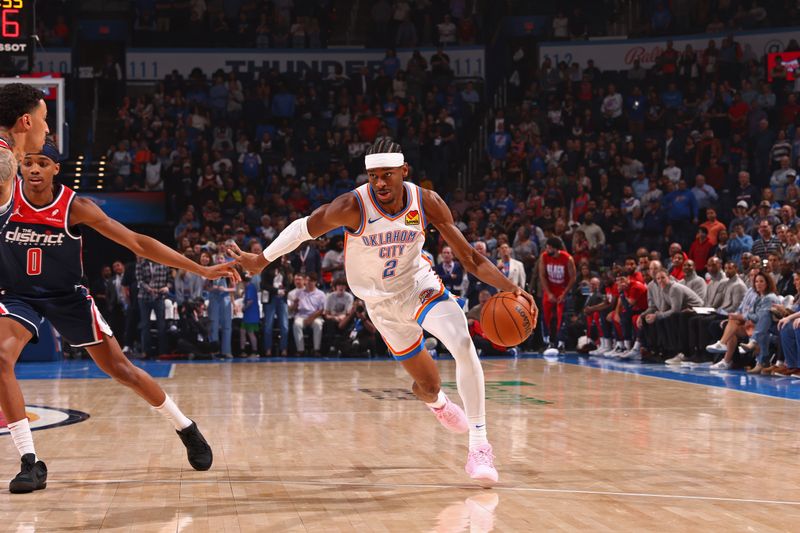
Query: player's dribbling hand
x,y
223,270
252,263
534,310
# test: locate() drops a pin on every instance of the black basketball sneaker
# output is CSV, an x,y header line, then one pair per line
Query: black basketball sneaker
x,y
197,449
32,476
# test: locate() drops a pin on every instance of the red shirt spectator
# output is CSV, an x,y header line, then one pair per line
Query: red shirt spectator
x,y
700,250
299,201
636,276
677,265
636,294
738,113
668,59
368,127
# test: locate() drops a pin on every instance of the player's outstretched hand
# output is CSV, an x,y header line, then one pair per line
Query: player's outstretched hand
x,y
252,263
223,270
531,301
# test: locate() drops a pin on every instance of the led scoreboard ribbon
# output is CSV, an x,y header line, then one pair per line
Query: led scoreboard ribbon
x,y
16,35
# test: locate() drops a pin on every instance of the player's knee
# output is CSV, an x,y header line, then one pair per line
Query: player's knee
x,y
427,387
6,363
9,353
123,372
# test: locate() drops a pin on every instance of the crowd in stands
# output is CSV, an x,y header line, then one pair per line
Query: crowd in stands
x,y
410,24
239,158
674,189
241,24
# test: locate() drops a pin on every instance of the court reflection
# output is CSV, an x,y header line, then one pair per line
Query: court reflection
x,y
475,514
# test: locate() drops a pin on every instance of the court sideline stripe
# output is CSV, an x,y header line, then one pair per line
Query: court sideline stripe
x,y
493,411
428,486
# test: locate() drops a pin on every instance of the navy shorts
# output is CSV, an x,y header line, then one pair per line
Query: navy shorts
x,y
74,315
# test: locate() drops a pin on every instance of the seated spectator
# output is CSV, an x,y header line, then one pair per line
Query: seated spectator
x,y
600,314
631,303
692,280
308,305
194,332
755,323
666,337
676,271
363,337
337,314
788,327
450,271
724,293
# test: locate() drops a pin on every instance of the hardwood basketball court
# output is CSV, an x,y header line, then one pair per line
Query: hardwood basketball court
x,y
342,446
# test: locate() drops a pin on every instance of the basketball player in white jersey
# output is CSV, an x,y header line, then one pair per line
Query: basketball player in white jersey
x,y
384,222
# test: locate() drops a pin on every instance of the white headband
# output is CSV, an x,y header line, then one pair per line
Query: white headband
x,y
384,160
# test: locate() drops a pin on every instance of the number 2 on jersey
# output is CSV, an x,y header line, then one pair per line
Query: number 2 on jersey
x,y
389,268
34,261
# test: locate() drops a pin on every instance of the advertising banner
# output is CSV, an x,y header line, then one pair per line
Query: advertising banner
x,y
790,60
53,60
153,64
131,207
619,54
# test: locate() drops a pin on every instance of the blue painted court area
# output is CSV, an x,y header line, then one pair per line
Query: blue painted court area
x,y
787,388
82,370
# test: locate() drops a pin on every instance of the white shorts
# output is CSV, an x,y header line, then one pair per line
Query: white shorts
x,y
399,319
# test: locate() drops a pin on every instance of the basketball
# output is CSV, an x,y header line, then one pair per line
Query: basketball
x,y
506,319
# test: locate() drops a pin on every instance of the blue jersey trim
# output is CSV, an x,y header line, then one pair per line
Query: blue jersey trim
x,y
389,215
421,208
445,296
410,354
361,208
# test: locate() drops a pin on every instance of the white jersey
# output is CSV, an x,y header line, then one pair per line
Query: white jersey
x,y
384,259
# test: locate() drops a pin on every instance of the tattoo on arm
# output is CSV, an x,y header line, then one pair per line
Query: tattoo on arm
x,y
8,165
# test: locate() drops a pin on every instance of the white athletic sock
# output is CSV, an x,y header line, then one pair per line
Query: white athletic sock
x,y
637,345
22,437
170,411
441,399
477,431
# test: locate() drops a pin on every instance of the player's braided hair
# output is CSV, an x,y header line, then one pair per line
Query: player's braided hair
x,y
16,99
384,146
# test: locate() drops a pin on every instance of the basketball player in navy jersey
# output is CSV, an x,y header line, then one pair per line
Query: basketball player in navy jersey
x,y
23,129
384,222
40,252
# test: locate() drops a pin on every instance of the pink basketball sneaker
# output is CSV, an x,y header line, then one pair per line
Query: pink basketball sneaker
x,y
480,465
452,417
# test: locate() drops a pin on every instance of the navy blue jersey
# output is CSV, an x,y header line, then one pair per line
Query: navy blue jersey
x,y
40,254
